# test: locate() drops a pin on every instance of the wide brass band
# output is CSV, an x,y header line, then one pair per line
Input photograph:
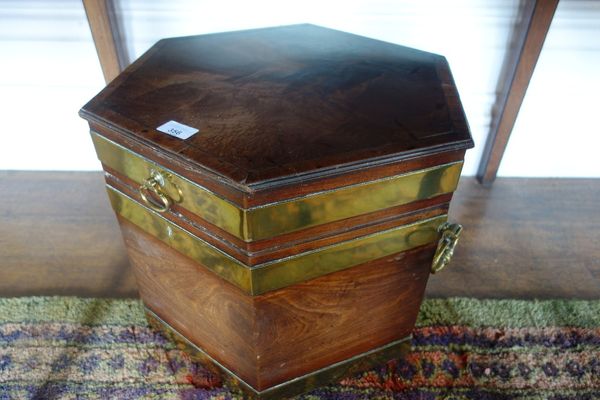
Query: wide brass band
x,y
286,271
270,220
195,198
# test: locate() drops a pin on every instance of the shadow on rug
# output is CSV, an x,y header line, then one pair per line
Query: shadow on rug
x,y
70,348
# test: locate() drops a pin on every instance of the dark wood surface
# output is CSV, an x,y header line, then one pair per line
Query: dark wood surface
x,y
529,37
523,238
215,315
58,235
277,103
334,317
272,338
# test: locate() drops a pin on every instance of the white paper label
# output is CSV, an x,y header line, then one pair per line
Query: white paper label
x,y
177,130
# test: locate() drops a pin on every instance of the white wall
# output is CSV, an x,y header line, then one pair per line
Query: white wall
x,y
49,68
557,132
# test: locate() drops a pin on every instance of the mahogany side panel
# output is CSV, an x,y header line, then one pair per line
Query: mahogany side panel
x,y
314,324
209,311
272,338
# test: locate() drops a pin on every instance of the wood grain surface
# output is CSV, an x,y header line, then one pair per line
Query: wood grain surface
x,y
276,105
275,337
329,319
58,236
523,238
215,315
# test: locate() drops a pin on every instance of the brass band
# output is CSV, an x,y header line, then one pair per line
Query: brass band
x,y
270,220
196,198
286,271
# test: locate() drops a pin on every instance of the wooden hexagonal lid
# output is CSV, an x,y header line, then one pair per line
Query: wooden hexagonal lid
x,y
280,105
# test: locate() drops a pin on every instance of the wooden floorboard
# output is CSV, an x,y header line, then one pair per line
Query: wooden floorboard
x,y
523,238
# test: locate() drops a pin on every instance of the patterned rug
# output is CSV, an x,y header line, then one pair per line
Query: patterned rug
x,y
70,348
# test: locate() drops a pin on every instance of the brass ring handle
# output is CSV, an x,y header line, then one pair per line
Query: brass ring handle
x,y
445,250
153,185
179,198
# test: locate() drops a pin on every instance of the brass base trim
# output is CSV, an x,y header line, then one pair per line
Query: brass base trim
x,y
321,377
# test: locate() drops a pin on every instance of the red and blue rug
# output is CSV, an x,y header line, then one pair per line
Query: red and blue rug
x,y
70,348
